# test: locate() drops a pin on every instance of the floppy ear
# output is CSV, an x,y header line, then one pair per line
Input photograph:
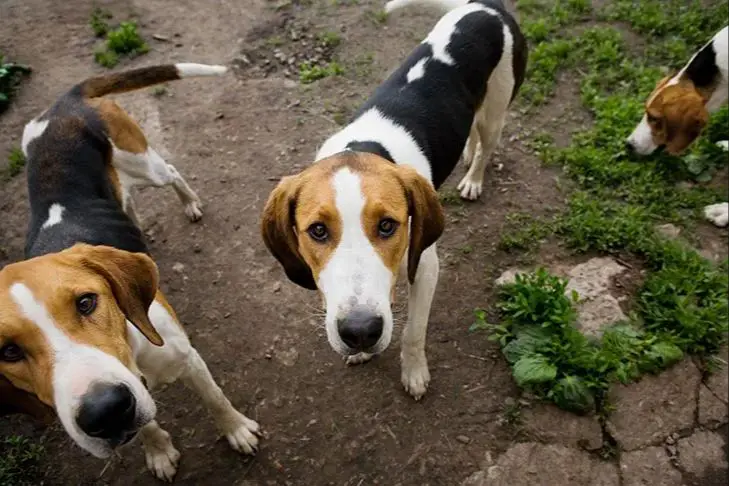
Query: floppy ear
x,y
427,218
279,235
13,400
134,280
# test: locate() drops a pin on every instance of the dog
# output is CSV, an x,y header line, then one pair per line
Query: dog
x,y
678,109
84,329
368,206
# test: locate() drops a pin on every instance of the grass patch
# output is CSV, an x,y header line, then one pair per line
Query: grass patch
x,y
377,17
16,162
10,76
159,91
308,72
522,233
99,21
618,200
19,459
329,39
124,41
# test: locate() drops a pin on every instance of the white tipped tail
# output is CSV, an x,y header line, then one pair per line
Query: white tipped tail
x,y
190,69
444,5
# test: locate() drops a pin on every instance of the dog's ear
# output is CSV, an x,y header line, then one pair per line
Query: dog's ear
x,y
133,278
427,218
279,233
13,400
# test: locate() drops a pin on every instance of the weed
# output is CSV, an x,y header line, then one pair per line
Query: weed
x,y
275,41
160,91
16,162
511,414
377,17
522,233
19,459
10,76
449,196
99,21
329,39
123,41
308,72
105,58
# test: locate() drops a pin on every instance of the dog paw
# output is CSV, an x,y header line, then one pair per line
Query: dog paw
x,y
163,462
724,144
718,214
193,211
470,189
243,435
358,358
415,375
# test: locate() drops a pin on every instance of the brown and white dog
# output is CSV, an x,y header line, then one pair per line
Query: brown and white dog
x,y
679,108
368,207
84,329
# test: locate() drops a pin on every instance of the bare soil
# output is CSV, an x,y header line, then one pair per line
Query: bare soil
x,y
232,138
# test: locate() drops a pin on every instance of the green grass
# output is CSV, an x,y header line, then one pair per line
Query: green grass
x,y
19,459
522,233
308,72
99,21
617,201
16,162
329,39
124,41
11,75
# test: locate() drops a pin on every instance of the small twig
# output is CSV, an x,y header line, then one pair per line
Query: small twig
x,y
274,178
161,38
480,358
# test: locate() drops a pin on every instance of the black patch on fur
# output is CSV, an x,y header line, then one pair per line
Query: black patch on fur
x,y
702,70
370,147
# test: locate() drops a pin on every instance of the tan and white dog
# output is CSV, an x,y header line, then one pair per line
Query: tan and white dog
x,y
679,108
84,329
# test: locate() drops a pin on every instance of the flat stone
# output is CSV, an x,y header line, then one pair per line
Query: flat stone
x,y
548,423
476,479
508,277
702,454
649,467
599,313
648,411
593,278
549,465
718,381
712,411
670,231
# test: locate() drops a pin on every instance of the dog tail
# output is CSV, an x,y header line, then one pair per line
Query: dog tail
x,y
444,5
141,78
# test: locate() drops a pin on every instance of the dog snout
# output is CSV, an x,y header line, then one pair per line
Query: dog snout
x,y
360,329
108,411
629,147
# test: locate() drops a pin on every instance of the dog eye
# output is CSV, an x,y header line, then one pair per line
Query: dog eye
x,y
318,231
86,304
11,353
386,227
651,119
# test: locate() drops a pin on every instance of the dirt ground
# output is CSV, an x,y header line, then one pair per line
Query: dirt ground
x,y
232,138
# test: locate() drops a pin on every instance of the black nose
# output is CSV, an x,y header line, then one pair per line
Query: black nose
x,y
629,147
108,412
360,329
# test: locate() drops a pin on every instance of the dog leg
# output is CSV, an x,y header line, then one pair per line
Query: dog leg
x,y
150,169
489,132
471,146
162,457
240,431
415,375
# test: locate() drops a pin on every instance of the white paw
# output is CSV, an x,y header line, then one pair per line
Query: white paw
x,y
723,144
193,211
469,188
358,358
162,462
718,214
243,435
415,375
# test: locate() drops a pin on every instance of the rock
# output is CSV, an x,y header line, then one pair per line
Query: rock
x,y
548,423
178,267
289,357
463,439
596,314
717,214
712,411
648,467
508,277
549,465
647,411
670,231
476,479
592,278
718,381
702,453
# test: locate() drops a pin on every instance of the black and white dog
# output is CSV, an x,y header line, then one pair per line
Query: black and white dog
x,y
346,224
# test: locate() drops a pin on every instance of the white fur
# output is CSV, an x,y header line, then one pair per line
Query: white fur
x,y
376,127
642,138
150,169
355,275
417,71
75,368
33,129
189,69
55,215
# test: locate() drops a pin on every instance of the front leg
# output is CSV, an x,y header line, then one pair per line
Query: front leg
x,y
241,432
161,456
415,375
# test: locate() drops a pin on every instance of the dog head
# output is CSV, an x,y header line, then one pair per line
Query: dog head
x,y
344,226
675,114
63,341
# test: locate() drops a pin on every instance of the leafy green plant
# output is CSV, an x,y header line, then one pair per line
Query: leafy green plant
x,y
522,232
308,72
16,162
19,459
329,39
99,21
10,76
123,41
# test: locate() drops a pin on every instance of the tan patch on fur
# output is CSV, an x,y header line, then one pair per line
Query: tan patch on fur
x,y
124,132
57,280
392,191
676,114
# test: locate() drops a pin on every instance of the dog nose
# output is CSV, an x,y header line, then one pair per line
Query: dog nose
x,y
629,148
360,329
107,412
